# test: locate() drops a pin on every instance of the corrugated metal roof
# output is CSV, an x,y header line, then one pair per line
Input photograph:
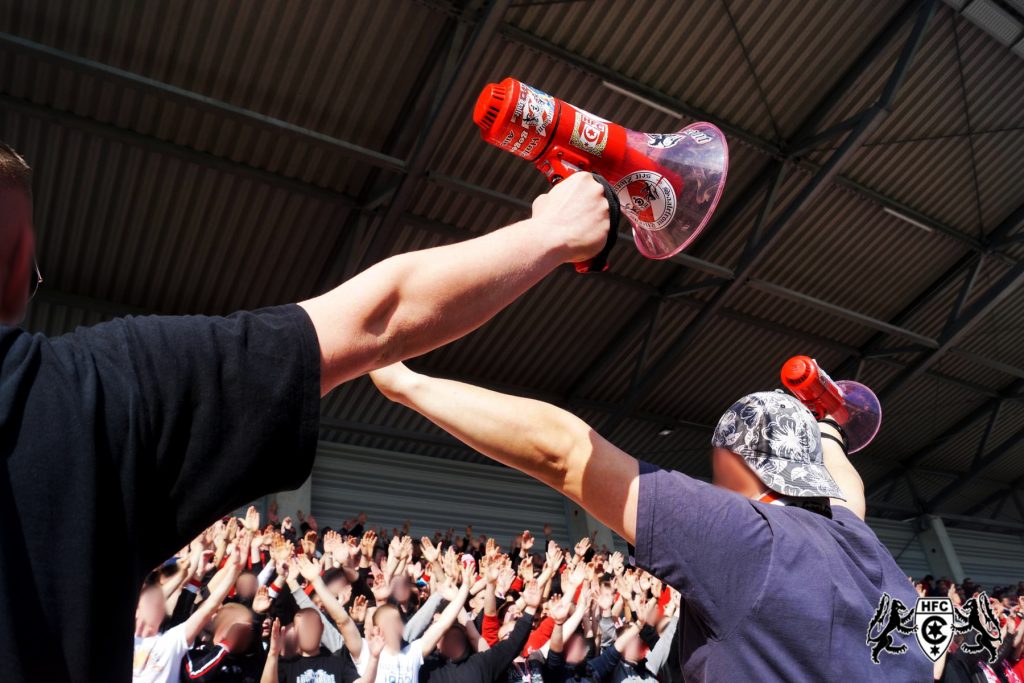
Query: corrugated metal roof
x,y
151,201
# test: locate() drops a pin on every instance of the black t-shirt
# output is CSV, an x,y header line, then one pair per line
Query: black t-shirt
x,y
323,668
119,443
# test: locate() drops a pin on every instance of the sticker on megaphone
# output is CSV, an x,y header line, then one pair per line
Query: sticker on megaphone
x,y
668,184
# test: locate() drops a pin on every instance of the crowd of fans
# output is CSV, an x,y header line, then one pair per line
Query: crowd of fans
x,y
296,603
1006,606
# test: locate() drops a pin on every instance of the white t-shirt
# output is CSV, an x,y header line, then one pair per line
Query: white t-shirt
x,y
401,667
158,658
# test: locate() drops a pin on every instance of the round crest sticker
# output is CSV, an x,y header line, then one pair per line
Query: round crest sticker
x,y
648,198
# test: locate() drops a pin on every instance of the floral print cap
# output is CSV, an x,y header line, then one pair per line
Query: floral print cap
x,y
780,440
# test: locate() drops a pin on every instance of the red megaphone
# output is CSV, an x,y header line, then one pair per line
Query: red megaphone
x,y
668,184
853,405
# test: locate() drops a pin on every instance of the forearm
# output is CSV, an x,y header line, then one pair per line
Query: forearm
x,y
270,669
844,473
432,635
419,621
369,674
660,652
531,436
412,303
545,442
346,626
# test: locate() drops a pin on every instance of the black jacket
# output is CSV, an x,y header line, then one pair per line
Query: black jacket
x,y
481,666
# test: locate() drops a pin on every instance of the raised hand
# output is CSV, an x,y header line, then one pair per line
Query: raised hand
x,y
491,548
368,543
430,552
526,544
554,557
532,594
381,589
309,569
559,609
358,609
582,547
252,519
276,641
261,601
281,551
615,563
375,642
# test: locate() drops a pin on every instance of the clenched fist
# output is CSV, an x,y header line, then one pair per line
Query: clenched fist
x,y
577,211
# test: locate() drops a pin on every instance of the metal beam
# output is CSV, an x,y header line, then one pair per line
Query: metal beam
x,y
995,455
842,312
192,100
947,435
955,333
873,117
187,154
432,132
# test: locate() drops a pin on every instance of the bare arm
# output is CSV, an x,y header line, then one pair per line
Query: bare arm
x,y
432,636
273,654
412,303
220,586
539,439
347,627
844,473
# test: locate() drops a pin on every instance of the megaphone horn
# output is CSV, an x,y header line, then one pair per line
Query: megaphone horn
x,y
854,406
668,184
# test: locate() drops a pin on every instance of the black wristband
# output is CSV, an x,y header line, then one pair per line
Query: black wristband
x,y
839,428
842,444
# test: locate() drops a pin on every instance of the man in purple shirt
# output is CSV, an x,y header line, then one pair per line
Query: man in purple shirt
x,y
779,574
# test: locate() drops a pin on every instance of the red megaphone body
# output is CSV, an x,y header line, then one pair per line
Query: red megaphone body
x,y
668,184
854,406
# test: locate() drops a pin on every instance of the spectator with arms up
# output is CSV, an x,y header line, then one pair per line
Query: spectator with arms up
x,y
121,441
785,510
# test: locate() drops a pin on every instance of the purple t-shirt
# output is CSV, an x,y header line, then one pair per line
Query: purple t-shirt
x,y
771,593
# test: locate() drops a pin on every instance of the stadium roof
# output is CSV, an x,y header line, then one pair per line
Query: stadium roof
x,y
205,157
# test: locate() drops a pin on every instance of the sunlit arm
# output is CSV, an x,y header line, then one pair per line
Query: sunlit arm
x,y
546,442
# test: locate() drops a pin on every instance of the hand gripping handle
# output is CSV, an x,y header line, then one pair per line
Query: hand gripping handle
x,y
600,262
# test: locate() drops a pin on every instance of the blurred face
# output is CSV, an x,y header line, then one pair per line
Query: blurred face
x,y
634,651
308,629
575,649
391,626
246,586
453,644
151,607
233,624
401,592
730,471
362,518
17,245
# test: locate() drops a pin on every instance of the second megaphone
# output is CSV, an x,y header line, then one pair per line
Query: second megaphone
x,y
668,184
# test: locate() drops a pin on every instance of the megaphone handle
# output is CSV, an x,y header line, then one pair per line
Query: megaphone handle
x,y
600,262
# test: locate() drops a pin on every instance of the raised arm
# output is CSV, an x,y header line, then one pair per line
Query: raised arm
x,y
349,631
412,303
539,439
843,472
220,586
432,636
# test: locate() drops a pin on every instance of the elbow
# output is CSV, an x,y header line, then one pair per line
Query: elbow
x,y
566,453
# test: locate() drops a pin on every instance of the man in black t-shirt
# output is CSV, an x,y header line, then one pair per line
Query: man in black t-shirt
x,y
315,662
120,442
